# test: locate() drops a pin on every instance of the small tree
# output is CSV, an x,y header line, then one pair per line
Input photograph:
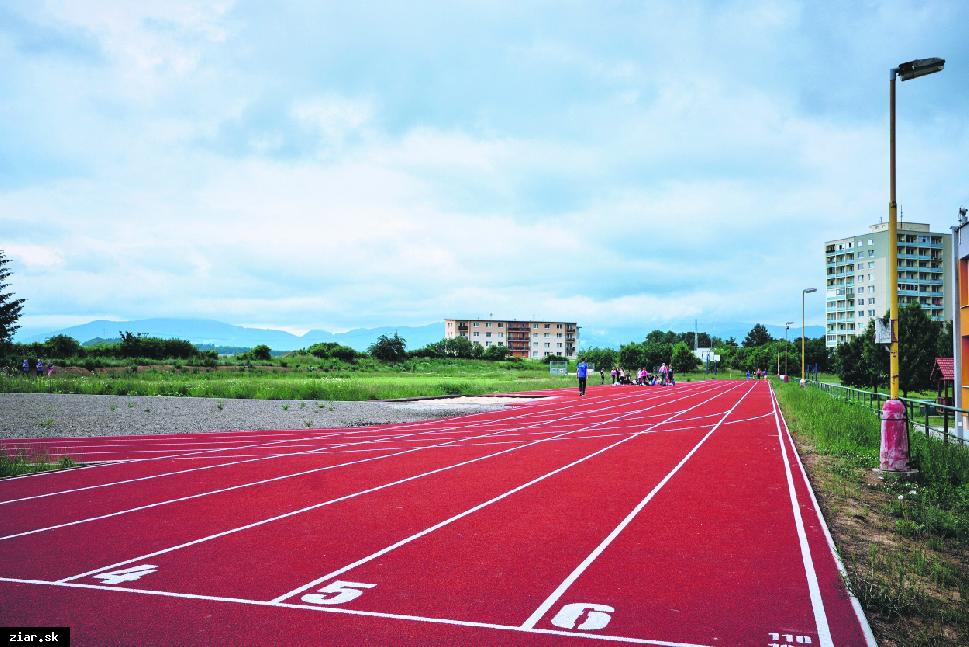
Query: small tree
x,y
683,360
389,349
262,352
62,347
9,308
496,353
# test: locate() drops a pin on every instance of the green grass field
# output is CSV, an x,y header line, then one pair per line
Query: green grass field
x,y
299,378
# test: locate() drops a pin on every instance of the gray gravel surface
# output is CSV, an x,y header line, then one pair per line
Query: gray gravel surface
x,y
44,415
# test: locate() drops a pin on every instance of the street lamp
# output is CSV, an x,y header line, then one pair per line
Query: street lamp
x,y
894,440
803,292
787,353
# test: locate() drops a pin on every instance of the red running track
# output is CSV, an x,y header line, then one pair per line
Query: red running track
x,y
663,516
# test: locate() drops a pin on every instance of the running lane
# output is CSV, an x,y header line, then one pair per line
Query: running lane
x,y
717,556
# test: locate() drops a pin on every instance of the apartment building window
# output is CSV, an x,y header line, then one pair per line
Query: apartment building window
x,y
487,343
558,326
487,334
534,353
548,325
559,335
548,345
871,313
535,343
871,301
476,324
869,242
534,334
548,334
860,266
501,334
869,277
871,265
488,324
536,325
859,254
560,344
860,278
871,252
861,313
477,334
861,290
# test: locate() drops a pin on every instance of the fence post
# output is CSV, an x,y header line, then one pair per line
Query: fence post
x,y
945,425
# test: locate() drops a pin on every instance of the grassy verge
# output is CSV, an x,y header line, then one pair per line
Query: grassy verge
x,y
19,463
905,542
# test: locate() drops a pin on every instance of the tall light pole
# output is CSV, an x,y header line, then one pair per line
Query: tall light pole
x,y
894,441
804,292
787,353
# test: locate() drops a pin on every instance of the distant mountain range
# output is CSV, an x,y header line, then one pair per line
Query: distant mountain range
x,y
218,333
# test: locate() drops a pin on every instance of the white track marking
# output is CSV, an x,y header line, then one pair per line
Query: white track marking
x,y
480,506
540,612
207,467
855,604
817,603
310,507
351,612
465,422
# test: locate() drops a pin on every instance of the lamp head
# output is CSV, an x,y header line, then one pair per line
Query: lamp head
x,y
919,67
809,290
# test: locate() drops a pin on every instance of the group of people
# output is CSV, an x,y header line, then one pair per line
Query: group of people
x,y
25,366
759,374
663,376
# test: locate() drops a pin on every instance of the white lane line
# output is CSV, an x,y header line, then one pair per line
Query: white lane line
x,y
272,457
855,604
540,612
352,612
385,438
817,603
461,515
765,415
312,507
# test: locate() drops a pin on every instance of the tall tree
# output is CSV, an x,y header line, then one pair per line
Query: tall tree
x,y
919,337
9,307
758,336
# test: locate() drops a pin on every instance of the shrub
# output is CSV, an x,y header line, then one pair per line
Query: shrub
x,y
262,352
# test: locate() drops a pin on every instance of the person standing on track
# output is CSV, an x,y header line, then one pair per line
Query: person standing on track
x,y
602,375
581,371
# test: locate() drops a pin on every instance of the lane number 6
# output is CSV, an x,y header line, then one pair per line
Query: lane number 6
x,y
338,592
593,616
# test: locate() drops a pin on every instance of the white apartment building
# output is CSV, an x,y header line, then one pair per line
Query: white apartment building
x,y
535,339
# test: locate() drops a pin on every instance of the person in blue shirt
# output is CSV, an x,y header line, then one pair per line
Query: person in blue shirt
x,y
582,371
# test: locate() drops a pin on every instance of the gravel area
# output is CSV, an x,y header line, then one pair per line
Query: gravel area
x,y
44,415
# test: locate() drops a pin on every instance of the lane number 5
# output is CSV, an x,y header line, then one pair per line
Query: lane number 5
x,y
592,616
338,592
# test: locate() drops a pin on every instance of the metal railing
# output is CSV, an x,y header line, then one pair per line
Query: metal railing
x,y
919,414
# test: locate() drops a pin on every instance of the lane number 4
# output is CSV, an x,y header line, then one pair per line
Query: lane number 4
x,y
127,575
338,592
581,615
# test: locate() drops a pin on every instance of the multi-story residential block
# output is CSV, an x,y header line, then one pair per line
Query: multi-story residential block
x,y
857,277
536,339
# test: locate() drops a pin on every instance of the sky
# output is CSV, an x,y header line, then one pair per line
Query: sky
x,y
334,165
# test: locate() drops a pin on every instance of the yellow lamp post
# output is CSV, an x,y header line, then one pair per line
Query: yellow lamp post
x,y
894,441
804,292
